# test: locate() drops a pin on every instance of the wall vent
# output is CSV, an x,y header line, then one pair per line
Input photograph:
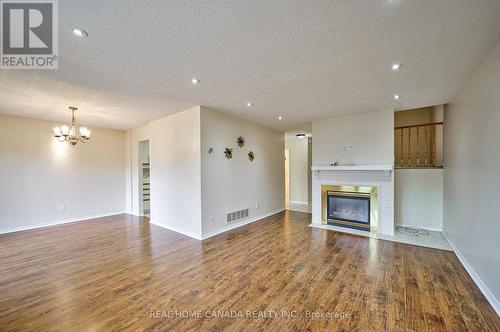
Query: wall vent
x,y
236,215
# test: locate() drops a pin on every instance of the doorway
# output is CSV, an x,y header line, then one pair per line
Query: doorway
x,y
144,179
287,178
298,176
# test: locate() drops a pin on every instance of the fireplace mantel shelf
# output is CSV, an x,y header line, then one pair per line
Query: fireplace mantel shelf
x,y
382,168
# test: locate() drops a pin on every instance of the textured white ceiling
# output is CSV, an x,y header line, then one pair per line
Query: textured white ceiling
x,y
304,60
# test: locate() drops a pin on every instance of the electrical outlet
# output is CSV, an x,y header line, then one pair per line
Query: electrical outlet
x,y
256,205
62,207
265,202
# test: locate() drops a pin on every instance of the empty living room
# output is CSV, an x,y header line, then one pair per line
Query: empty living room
x,y
300,165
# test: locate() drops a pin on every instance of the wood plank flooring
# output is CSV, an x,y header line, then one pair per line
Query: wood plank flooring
x,y
121,273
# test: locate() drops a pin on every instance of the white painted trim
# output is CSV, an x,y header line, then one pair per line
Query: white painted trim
x,y
417,226
241,223
386,168
298,203
59,222
473,274
175,229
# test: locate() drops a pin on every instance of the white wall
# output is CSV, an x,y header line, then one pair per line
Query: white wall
x,y
237,183
371,136
191,190
39,174
438,116
175,162
472,173
299,165
419,198
128,173
144,151
309,170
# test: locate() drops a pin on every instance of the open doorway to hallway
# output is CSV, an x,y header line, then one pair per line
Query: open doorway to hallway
x,y
144,179
287,178
298,161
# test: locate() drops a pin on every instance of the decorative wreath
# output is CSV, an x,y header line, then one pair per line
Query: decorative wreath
x,y
228,153
251,155
241,141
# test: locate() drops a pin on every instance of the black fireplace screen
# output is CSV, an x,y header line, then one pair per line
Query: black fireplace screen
x,y
355,208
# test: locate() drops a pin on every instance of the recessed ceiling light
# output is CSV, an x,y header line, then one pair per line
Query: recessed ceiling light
x,y
280,118
396,66
396,97
195,81
249,104
80,32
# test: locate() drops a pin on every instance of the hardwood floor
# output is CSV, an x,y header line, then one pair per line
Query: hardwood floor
x,y
120,273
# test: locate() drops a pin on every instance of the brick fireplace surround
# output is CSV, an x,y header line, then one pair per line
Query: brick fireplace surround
x,y
379,176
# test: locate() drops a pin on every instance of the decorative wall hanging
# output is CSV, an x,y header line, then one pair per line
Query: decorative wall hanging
x,y
251,155
229,153
241,141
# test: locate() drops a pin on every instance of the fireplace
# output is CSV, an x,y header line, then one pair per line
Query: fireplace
x,y
350,209
355,207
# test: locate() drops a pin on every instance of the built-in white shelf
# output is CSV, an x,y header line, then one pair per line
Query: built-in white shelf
x,y
383,168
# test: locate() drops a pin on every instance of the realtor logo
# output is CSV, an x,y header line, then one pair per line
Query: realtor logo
x,y
29,34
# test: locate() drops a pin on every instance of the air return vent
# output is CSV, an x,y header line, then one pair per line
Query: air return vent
x,y
236,215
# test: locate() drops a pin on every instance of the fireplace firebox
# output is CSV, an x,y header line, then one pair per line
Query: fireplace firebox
x,y
348,209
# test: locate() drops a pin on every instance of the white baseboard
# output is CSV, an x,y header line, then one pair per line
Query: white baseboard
x,y
426,228
175,229
473,274
59,222
241,223
298,202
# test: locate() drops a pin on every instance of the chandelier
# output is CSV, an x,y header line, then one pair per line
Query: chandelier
x,y
70,133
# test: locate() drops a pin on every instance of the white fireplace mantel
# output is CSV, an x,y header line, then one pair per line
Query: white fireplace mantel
x,y
379,176
383,168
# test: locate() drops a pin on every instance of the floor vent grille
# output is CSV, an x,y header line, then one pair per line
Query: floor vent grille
x,y
236,215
